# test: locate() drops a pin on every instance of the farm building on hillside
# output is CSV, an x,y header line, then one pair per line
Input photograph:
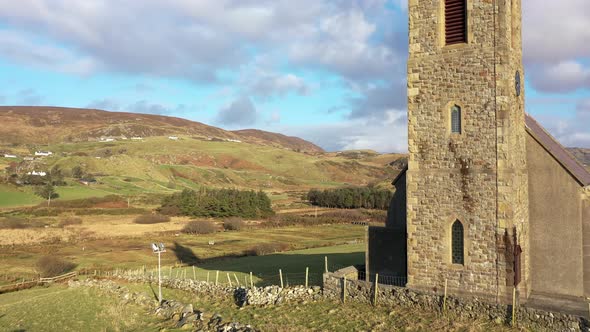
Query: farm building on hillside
x,y
43,153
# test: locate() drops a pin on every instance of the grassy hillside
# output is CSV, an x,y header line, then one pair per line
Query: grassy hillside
x,y
46,125
158,165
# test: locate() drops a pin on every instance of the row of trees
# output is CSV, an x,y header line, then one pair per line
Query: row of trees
x,y
351,198
218,203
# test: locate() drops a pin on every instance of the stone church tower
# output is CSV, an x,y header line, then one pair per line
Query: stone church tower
x,y
467,190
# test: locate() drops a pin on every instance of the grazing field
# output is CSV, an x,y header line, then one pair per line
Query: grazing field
x,y
11,197
265,268
59,308
116,242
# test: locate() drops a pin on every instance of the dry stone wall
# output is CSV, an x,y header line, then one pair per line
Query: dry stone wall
x,y
364,292
182,315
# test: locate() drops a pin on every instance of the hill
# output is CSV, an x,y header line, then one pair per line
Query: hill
x,y
583,155
140,157
50,125
277,140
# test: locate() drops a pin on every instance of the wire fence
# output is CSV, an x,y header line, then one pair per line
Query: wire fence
x,y
384,279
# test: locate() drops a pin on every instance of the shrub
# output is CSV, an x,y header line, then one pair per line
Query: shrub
x,y
151,219
267,248
51,266
199,227
233,224
69,221
18,223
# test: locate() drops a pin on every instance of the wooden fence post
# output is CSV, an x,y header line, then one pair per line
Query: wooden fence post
x,y
376,288
445,297
237,282
326,264
281,276
251,281
229,280
194,274
207,276
344,290
306,277
216,277
514,306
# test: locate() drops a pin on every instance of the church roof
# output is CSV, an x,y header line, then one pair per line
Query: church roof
x,y
557,150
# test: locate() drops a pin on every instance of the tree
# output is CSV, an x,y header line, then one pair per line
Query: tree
x,y
47,191
77,172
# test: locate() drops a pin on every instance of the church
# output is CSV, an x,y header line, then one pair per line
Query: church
x,y
489,203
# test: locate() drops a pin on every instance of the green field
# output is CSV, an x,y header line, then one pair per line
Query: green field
x,y
12,197
265,268
59,308
123,252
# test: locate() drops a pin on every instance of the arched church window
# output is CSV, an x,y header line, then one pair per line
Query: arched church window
x,y
457,253
455,21
456,119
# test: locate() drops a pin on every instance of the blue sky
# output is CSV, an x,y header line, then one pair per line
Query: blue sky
x,y
332,72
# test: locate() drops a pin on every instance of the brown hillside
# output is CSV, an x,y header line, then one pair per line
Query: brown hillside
x,y
278,140
46,125
583,155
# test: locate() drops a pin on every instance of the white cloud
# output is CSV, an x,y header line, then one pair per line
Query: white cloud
x,y
241,112
387,135
566,76
570,131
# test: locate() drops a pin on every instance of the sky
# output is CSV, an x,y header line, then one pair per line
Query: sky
x,y
329,71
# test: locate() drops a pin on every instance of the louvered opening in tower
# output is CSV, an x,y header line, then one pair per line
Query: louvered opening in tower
x,y
455,21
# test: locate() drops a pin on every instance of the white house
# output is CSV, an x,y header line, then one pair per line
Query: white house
x,y
43,153
174,138
136,138
103,140
9,156
37,173
234,140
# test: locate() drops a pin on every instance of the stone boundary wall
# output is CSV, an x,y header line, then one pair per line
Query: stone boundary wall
x,y
363,291
262,296
181,315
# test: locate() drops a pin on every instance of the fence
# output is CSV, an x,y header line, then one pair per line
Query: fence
x,y
384,279
282,277
34,282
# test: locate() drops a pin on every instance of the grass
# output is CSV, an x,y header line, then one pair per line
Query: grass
x,y
158,165
77,191
327,315
265,268
58,308
105,242
12,197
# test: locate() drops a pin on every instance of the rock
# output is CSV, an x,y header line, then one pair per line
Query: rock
x,y
187,309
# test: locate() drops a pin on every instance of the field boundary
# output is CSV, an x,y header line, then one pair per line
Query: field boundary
x,y
35,282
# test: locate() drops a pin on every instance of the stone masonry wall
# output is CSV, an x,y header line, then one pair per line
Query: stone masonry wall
x,y
478,176
363,291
